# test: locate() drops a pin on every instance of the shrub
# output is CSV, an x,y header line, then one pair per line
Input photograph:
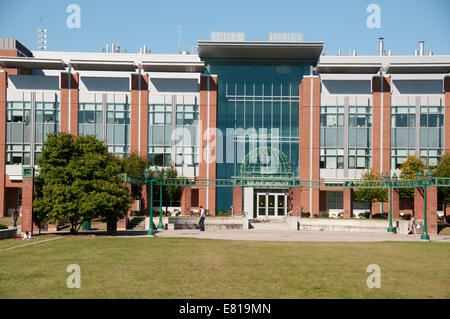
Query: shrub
x,y
324,214
3,226
224,213
380,216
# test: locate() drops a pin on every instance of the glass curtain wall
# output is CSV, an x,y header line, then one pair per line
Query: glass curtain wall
x,y
258,105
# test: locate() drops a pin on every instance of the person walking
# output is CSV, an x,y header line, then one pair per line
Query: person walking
x,y
202,218
414,225
15,216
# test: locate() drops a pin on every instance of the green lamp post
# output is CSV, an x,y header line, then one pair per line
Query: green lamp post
x,y
160,224
390,183
426,182
150,231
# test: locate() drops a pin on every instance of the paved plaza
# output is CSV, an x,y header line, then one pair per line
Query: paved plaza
x,y
283,235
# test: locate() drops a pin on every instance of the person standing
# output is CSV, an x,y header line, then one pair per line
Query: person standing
x,y
202,218
15,216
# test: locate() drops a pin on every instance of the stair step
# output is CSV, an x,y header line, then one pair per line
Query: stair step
x,y
136,222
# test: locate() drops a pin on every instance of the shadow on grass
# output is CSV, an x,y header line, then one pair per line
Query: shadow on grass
x,y
96,233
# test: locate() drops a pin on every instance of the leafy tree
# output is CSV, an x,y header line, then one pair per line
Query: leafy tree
x,y
409,170
170,193
443,170
79,180
371,195
135,166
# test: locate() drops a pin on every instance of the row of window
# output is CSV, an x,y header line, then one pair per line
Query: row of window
x,y
337,120
334,158
409,120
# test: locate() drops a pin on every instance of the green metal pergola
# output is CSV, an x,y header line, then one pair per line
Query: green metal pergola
x,y
289,181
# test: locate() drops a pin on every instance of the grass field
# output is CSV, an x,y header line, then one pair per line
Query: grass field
x,y
114,267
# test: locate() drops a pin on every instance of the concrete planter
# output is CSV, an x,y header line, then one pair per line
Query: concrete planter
x,y
211,223
8,233
345,225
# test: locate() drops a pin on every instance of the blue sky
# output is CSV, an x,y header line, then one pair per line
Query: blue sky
x,y
341,24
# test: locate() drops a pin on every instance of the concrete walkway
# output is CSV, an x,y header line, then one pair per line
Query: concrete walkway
x,y
297,236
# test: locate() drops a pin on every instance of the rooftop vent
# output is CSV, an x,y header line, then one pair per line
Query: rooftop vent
x,y
421,47
228,36
285,36
381,46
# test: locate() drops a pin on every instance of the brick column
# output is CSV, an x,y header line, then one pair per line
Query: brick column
x,y
395,203
73,78
27,204
186,201
139,123
208,135
432,210
237,201
447,114
139,114
418,203
381,130
295,201
3,85
310,85
348,202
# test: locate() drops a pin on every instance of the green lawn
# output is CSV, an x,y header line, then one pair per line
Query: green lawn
x,y
200,268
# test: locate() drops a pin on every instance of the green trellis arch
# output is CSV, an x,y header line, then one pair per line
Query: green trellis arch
x,y
266,162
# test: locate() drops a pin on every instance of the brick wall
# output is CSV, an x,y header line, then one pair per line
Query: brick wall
x,y
306,130
206,137
3,85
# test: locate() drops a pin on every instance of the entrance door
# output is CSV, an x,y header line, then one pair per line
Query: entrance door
x,y
271,204
281,205
262,205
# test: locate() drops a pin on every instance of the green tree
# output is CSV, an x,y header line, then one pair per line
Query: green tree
x,y
79,180
170,193
409,170
135,166
371,195
443,170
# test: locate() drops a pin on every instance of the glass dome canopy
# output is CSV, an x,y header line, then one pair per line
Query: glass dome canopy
x,y
266,162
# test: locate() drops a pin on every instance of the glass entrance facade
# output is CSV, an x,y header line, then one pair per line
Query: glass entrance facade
x,y
258,106
270,204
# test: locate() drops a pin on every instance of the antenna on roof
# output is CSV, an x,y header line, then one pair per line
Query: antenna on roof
x,y
42,38
179,38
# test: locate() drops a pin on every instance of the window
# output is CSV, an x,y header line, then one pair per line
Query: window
x,y
335,200
359,158
117,114
194,197
332,158
159,156
359,116
186,114
17,154
398,157
332,116
118,128
90,113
